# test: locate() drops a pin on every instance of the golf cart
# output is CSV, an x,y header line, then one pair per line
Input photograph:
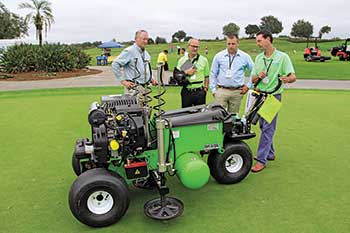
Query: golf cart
x,y
343,51
313,53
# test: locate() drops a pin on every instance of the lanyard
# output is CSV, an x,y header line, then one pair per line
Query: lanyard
x,y
230,61
195,59
145,64
267,66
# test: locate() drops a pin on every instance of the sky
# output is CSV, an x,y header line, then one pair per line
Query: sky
x,y
102,20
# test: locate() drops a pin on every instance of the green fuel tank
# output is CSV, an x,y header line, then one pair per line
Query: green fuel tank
x,y
192,171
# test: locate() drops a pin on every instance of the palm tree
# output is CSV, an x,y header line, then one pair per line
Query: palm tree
x,y
41,16
2,7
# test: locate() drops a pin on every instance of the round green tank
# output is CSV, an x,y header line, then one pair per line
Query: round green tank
x,y
192,171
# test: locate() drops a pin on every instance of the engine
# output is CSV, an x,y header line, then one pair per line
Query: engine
x,y
118,131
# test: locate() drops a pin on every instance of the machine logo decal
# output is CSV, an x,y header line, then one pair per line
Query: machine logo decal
x,y
213,127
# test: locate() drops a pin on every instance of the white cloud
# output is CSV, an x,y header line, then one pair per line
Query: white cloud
x,y
86,20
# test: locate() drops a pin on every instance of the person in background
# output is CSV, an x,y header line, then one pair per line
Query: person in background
x,y
107,52
178,49
163,58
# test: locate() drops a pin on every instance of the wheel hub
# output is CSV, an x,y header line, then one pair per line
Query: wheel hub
x,y
100,202
234,163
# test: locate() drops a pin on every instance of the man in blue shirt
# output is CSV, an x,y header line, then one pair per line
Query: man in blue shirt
x,y
227,75
133,67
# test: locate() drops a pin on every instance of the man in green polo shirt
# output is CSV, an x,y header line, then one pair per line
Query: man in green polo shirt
x,y
197,74
270,66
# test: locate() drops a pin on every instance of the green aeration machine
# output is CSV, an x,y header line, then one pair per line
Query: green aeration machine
x,y
130,146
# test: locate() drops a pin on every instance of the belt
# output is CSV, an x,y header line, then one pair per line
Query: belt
x,y
230,88
194,89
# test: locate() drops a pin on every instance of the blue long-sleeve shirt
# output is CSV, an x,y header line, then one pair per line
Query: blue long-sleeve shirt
x,y
133,64
222,74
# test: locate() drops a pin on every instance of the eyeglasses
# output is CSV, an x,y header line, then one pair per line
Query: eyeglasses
x,y
194,46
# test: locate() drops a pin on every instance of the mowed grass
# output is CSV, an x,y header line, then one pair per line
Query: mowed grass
x,y
305,190
329,70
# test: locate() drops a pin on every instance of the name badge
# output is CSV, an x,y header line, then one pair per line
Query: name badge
x,y
266,80
229,74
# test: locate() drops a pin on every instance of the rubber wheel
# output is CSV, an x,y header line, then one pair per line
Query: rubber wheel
x,y
233,165
99,198
76,165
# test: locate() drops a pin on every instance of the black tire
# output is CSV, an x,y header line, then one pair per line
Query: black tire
x,y
239,152
76,165
93,185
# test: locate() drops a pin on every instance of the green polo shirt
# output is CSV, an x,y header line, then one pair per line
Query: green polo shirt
x,y
202,70
280,65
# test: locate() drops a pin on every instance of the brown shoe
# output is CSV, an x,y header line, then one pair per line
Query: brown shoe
x,y
258,167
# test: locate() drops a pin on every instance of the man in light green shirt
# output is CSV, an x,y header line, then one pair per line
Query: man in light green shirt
x,y
270,66
197,75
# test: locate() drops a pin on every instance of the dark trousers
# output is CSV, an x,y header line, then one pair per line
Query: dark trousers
x,y
266,148
166,66
192,97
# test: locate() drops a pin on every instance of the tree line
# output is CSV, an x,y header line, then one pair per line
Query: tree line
x,y
300,28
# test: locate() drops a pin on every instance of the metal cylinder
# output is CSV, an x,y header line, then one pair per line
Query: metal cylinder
x,y
192,171
160,125
96,116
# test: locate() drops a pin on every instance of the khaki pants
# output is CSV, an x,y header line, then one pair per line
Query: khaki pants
x,y
229,99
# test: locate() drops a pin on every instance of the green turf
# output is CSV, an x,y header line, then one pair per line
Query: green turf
x,y
332,70
305,190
